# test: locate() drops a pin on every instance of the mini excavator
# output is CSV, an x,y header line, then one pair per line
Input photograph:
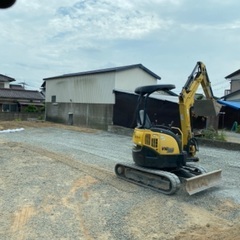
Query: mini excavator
x,y
165,156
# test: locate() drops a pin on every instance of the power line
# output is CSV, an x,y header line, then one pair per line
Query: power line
x,y
222,82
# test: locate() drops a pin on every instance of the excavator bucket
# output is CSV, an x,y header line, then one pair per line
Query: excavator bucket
x,y
201,182
206,107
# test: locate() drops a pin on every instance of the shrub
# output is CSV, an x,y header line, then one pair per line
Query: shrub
x,y
31,108
211,133
238,129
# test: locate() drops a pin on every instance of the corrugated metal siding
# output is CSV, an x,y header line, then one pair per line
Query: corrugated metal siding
x,y
95,88
130,79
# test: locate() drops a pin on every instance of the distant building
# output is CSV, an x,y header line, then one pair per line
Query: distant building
x,y
14,98
230,112
234,79
96,98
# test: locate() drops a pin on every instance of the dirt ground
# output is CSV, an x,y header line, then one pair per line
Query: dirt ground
x,y
202,224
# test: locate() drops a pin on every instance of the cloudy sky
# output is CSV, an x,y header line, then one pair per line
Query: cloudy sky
x,y
45,38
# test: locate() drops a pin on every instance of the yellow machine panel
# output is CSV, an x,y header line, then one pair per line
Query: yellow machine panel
x,y
160,142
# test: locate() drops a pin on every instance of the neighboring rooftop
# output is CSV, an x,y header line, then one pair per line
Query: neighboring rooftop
x,y
20,94
232,94
114,69
233,74
4,78
16,86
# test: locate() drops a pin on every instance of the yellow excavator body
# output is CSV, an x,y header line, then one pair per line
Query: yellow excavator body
x,y
165,156
157,141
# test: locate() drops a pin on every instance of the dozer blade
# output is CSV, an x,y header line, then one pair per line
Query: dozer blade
x,y
201,182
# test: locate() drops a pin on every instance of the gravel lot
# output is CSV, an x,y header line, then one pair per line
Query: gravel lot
x,y
58,182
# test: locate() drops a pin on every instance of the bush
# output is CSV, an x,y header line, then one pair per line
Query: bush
x,y
238,129
31,108
211,133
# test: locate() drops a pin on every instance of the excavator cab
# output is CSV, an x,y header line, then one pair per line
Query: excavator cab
x,y
155,146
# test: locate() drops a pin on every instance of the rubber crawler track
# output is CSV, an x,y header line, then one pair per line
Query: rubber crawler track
x,y
144,177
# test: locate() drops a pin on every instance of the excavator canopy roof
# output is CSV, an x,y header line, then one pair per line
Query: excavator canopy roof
x,y
153,88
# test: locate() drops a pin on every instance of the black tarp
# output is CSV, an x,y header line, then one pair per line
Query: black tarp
x,y
159,111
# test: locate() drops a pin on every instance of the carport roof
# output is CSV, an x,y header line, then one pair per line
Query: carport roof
x,y
235,105
163,97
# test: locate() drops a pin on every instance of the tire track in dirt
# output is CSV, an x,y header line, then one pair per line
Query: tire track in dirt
x,y
21,217
97,172
80,184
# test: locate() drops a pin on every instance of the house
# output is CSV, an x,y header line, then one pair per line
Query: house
x,y
230,112
234,79
14,98
92,98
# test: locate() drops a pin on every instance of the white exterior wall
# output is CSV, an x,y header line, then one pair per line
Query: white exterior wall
x,y
235,85
6,85
129,80
95,88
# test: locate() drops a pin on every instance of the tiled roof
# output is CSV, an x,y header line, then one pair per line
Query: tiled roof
x,y
20,94
114,69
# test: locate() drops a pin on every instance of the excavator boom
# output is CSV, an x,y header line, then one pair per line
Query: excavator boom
x,y
187,102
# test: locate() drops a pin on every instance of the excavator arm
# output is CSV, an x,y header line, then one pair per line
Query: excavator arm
x,y
198,77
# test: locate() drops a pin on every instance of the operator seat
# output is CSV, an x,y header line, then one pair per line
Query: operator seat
x,y
159,129
141,124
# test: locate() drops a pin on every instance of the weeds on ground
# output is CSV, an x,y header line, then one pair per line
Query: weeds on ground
x,y
238,129
212,134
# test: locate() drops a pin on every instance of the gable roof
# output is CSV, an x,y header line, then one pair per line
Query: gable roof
x,y
233,74
4,78
114,69
20,94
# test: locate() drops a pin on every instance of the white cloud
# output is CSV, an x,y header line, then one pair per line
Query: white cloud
x,y
43,38
106,20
